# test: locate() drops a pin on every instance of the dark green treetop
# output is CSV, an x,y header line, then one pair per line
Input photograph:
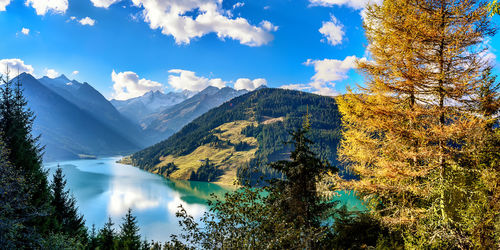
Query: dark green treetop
x,y
129,232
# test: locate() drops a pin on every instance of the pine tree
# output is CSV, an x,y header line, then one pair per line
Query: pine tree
x,y
146,245
16,121
67,219
93,240
129,232
15,211
286,214
297,193
107,236
408,132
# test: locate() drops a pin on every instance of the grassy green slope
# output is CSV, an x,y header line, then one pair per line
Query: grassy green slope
x,y
268,115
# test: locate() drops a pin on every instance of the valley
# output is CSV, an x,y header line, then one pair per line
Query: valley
x,y
75,121
225,128
248,131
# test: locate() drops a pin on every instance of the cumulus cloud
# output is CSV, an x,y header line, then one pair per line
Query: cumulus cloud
x,y
186,20
245,83
188,80
327,73
355,4
43,6
329,70
3,4
76,72
268,26
87,21
333,31
51,73
104,3
238,4
128,85
14,67
25,31
324,88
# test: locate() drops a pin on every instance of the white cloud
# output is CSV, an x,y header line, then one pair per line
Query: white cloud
x,y
355,4
296,86
3,4
72,17
324,88
327,72
14,66
44,6
173,18
268,26
25,31
319,88
333,31
76,72
488,53
128,85
51,73
245,83
135,17
104,3
238,4
267,7
187,80
87,21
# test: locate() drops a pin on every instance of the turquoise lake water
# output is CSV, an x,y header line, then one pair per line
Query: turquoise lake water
x,y
105,188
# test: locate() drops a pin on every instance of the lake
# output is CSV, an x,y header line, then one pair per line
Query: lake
x,y
105,188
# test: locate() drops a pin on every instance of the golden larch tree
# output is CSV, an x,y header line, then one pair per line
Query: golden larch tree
x,y
413,129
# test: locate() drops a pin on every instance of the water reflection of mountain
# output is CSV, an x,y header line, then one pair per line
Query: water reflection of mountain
x,y
85,185
196,192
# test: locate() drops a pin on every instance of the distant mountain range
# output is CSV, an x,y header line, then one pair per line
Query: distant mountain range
x,y
74,120
248,131
138,108
159,126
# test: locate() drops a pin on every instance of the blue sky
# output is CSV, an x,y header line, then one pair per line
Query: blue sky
x,y
125,48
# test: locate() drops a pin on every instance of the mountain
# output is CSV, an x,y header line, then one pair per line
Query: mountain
x,y
247,131
89,99
161,125
138,108
68,131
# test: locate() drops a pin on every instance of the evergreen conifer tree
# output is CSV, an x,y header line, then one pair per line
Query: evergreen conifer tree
x,y
15,211
65,211
297,193
93,240
25,153
129,232
107,236
287,214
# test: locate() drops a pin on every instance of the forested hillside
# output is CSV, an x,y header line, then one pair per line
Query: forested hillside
x,y
268,115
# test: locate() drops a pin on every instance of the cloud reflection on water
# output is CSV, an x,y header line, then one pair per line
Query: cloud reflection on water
x,y
105,188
